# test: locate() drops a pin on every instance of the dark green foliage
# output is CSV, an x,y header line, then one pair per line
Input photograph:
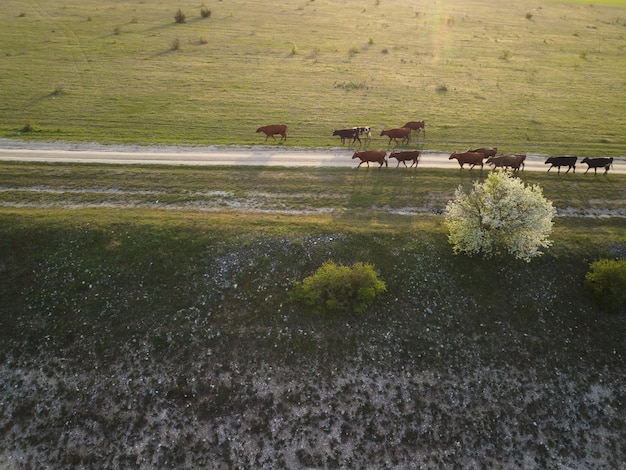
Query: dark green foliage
x,y
605,283
336,287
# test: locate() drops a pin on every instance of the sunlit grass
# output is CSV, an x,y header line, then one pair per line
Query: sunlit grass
x,y
94,71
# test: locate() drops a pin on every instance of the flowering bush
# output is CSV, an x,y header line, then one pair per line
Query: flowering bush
x,y
501,215
338,287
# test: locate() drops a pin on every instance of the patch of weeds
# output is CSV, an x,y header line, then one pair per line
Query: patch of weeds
x,y
28,127
350,86
205,13
59,89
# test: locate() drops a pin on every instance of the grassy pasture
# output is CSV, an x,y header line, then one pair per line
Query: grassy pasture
x,y
528,76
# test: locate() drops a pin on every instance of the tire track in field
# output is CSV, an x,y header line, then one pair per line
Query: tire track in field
x,y
80,57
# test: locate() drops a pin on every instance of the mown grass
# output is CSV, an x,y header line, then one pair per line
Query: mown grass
x,y
526,76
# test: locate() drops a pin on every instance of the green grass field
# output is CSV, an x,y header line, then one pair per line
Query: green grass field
x,y
528,76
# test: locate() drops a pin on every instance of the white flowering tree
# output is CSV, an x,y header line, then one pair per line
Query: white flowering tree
x,y
501,215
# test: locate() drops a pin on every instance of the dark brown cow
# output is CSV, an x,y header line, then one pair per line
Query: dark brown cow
x,y
600,162
471,158
486,151
348,134
514,161
417,126
405,156
569,162
403,133
367,156
274,129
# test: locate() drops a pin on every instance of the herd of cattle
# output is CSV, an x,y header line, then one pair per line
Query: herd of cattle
x,y
472,158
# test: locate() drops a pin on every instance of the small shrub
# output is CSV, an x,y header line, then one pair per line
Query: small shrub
x,y
180,17
605,284
529,16
336,287
28,127
442,88
294,48
176,45
353,51
506,55
205,13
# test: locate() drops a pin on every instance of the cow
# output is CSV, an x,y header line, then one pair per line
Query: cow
x,y
348,134
514,161
367,156
416,126
569,162
364,130
486,151
471,158
600,162
273,130
403,133
404,156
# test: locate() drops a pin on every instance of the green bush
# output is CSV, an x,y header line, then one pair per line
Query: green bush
x,y
336,287
605,283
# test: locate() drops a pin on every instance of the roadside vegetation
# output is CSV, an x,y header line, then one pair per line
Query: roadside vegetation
x,y
530,76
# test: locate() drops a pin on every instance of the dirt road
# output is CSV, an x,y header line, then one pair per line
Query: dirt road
x,y
257,156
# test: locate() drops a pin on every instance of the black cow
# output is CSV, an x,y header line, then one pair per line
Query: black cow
x,y
600,162
558,162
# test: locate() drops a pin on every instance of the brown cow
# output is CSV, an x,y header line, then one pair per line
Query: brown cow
x,y
403,133
404,156
569,162
486,151
417,126
600,162
367,156
274,129
471,158
514,161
